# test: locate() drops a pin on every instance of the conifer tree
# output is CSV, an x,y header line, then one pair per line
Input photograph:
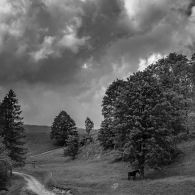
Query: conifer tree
x,y
11,128
62,127
89,125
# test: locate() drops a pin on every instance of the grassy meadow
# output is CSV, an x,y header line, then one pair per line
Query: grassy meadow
x,y
38,139
97,172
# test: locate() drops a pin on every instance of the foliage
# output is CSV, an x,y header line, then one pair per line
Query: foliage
x,y
5,166
4,153
175,74
144,121
72,147
89,125
106,135
11,128
145,116
62,127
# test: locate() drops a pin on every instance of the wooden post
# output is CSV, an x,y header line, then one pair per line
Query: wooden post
x,y
33,163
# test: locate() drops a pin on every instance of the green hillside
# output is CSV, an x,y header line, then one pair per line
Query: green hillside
x,y
96,172
38,139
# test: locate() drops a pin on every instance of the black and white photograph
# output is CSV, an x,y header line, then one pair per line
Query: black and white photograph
x,y
97,97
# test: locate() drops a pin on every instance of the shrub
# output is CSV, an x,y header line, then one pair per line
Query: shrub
x,y
72,147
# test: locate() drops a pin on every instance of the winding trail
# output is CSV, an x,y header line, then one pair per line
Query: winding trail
x,y
45,152
34,185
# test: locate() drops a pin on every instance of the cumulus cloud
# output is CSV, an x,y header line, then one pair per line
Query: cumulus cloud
x,y
144,63
45,49
62,54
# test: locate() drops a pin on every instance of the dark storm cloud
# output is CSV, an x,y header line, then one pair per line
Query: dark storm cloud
x,y
45,25
62,54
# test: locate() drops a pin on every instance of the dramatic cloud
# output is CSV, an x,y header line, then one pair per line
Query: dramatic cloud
x,y
62,54
144,63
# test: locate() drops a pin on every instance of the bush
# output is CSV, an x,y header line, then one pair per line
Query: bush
x,y
72,147
5,167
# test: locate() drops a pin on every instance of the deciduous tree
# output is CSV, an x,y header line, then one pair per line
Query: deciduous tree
x,y
144,118
89,125
62,127
106,134
175,74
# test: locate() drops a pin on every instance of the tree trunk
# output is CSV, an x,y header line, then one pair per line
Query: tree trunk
x,y
142,171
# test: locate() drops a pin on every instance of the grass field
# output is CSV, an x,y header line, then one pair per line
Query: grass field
x,y
95,172
38,139
99,174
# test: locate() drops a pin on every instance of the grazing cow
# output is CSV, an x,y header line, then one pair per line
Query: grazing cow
x,y
133,173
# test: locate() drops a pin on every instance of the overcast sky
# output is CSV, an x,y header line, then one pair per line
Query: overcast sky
x,y
62,54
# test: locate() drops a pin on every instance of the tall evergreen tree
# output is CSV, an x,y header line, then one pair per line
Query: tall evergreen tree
x,y
62,127
11,128
89,125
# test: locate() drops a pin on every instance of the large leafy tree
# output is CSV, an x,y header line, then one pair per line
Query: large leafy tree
x,y
144,119
62,127
11,128
175,74
89,125
106,135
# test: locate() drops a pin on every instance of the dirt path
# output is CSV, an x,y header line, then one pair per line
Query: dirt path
x,y
44,152
34,185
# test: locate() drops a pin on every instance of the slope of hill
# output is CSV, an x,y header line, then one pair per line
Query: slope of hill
x,y
38,138
94,172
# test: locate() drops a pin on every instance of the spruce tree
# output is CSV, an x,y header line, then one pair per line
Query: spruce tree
x,y
62,127
11,128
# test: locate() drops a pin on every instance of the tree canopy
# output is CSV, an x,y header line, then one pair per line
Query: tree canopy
x,y
62,127
106,134
11,128
89,125
145,116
